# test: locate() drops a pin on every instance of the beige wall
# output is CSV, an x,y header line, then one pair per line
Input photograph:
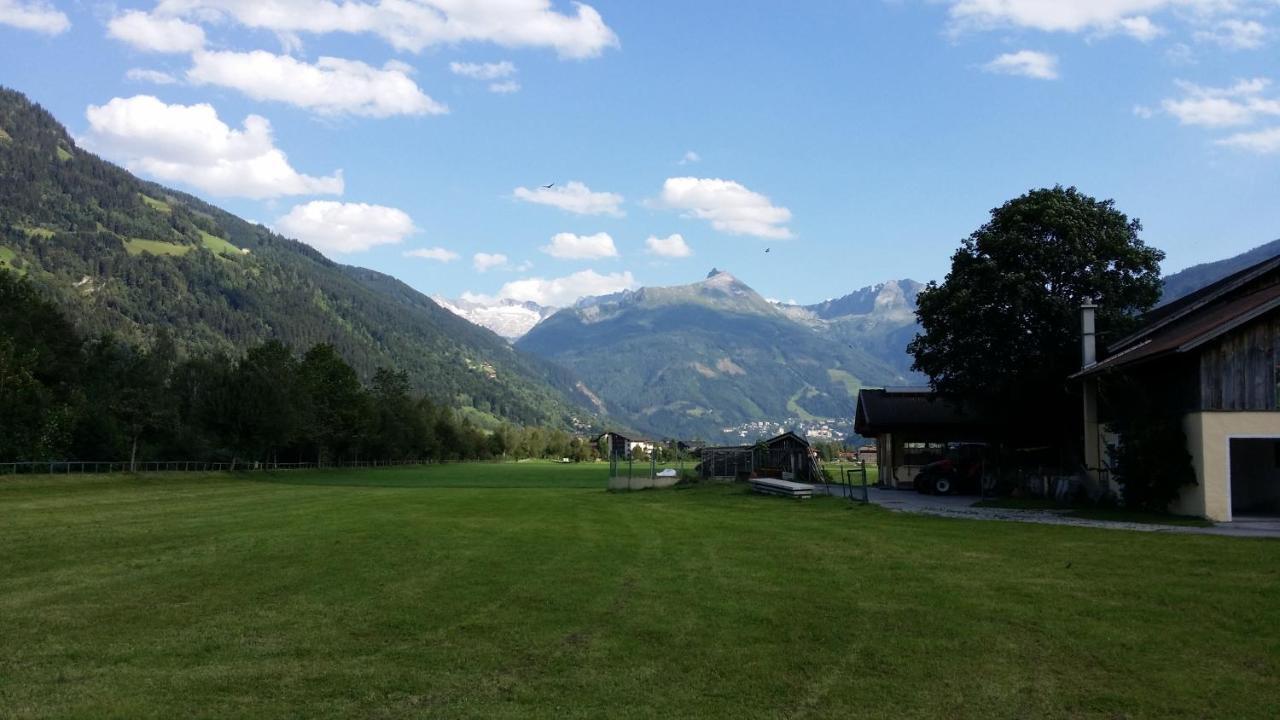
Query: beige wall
x,y
1208,440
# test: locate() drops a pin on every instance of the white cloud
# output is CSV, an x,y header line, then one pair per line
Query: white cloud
x,y
574,197
154,77
567,246
1143,112
1208,111
415,24
672,246
35,15
1244,102
1180,54
1140,28
1262,142
484,262
1101,16
437,254
559,292
331,86
730,206
489,71
189,144
1135,18
483,71
1027,63
690,157
339,228
154,33
1239,104
1235,34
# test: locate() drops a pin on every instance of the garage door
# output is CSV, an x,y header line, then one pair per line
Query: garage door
x,y
1255,477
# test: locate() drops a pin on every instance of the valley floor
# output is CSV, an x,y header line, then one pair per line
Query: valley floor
x,y
525,590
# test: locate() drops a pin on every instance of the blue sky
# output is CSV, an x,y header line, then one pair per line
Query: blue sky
x,y
859,141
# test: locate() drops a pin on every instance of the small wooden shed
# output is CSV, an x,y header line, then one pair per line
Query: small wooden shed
x,y
787,457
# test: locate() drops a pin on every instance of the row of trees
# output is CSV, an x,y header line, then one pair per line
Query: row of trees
x,y
66,398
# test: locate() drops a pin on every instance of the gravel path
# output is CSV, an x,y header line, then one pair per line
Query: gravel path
x,y
962,507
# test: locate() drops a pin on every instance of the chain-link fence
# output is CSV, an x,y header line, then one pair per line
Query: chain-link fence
x,y
649,468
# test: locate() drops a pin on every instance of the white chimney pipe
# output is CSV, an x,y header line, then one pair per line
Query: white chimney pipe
x,y
1088,333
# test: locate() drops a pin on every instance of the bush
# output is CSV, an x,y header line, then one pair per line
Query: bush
x,y
1152,464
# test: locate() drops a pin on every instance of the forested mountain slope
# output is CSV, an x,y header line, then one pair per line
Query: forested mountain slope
x,y
879,319
1195,277
134,258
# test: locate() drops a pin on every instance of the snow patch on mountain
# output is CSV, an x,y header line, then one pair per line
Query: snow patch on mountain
x,y
509,318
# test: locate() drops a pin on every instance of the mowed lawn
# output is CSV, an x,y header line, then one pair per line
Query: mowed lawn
x,y
512,591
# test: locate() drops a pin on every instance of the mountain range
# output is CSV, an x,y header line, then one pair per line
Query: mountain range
x,y
714,359
134,258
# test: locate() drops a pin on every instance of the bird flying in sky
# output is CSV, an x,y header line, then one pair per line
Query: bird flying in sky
x,y
548,187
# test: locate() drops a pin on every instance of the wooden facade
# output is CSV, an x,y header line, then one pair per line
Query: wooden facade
x,y
787,456
1238,370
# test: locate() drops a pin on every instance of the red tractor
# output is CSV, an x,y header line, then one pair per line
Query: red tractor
x,y
958,472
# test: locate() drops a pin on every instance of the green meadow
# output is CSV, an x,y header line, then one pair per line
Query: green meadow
x,y
526,590
215,244
7,256
137,246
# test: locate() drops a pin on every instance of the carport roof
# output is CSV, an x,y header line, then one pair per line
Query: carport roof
x,y
919,409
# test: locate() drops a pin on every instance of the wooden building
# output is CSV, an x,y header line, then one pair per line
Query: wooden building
x,y
912,427
1215,354
787,457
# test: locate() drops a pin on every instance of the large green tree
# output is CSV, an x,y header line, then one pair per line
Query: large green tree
x,y
39,371
265,414
336,408
1002,331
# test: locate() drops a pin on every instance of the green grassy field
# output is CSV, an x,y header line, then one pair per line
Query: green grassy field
x,y
36,232
217,245
525,590
7,257
137,246
156,204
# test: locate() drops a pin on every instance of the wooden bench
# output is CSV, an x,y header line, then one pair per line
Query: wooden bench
x,y
783,488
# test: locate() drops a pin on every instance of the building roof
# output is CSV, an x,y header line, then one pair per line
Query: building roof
x,y
1197,318
752,446
1171,313
893,409
784,436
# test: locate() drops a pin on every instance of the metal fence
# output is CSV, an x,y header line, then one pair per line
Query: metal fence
x,y
85,467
